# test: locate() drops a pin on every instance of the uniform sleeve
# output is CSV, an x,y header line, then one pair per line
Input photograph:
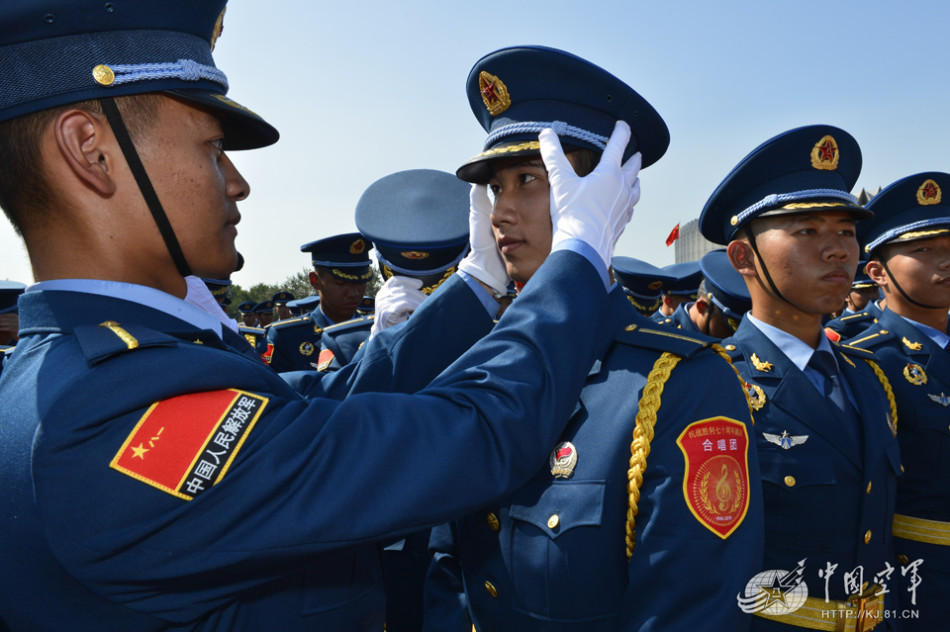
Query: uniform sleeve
x,y
691,570
307,476
446,605
405,358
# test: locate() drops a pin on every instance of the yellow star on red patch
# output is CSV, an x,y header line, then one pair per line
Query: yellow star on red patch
x,y
139,451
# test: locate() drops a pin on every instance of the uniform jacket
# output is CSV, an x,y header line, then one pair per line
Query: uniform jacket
x,y
340,342
264,507
850,325
552,556
920,374
828,499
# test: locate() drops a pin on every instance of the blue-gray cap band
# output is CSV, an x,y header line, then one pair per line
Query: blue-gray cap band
x,y
43,71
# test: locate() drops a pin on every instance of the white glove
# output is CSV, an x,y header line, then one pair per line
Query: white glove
x,y
483,261
597,207
396,301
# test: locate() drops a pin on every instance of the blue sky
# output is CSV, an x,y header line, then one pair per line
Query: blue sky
x,y
360,90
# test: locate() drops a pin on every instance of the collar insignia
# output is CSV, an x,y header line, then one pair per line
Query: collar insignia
x,y
941,399
785,440
929,193
759,365
563,460
756,395
914,373
494,93
913,346
824,155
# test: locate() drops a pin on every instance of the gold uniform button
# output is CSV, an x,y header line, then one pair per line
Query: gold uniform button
x,y
554,521
903,559
103,75
730,347
493,523
490,587
869,487
790,481
734,220
867,536
883,332
902,469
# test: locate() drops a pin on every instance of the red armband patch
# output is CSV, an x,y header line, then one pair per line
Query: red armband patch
x,y
324,359
716,473
184,445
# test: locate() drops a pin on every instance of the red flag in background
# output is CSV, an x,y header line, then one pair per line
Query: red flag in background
x,y
674,235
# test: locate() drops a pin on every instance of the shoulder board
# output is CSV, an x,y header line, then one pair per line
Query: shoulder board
x,y
870,339
6,350
349,325
279,324
108,339
260,331
859,315
662,339
856,351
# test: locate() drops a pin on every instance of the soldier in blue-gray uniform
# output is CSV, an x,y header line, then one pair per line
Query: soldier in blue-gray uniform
x,y
417,221
341,270
653,478
825,417
642,282
281,309
908,243
10,291
156,475
721,302
863,307
303,306
683,288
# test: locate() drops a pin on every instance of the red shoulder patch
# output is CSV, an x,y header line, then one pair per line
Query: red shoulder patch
x,y
268,354
716,473
832,335
184,445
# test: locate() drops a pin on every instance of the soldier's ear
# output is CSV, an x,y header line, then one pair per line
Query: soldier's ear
x,y
742,257
88,149
875,271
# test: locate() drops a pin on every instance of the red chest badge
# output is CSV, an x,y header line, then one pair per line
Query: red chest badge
x,y
716,473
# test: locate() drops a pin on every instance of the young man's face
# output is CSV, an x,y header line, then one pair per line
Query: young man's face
x,y
196,183
521,218
921,267
812,258
338,299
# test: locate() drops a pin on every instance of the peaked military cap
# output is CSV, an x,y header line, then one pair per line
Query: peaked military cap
x,y
220,289
807,169
727,290
643,282
417,221
9,293
516,92
246,307
306,303
861,278
345,256
263,307
56,52
685,278
911,208
282,298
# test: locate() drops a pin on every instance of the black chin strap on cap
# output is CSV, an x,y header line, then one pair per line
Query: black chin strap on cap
x,y
768,277
901,290
145,185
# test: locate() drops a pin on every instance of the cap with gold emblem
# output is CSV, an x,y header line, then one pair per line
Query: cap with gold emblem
x,y
345,256
643,282
56,52
807,169
911,208
418,223
517,92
